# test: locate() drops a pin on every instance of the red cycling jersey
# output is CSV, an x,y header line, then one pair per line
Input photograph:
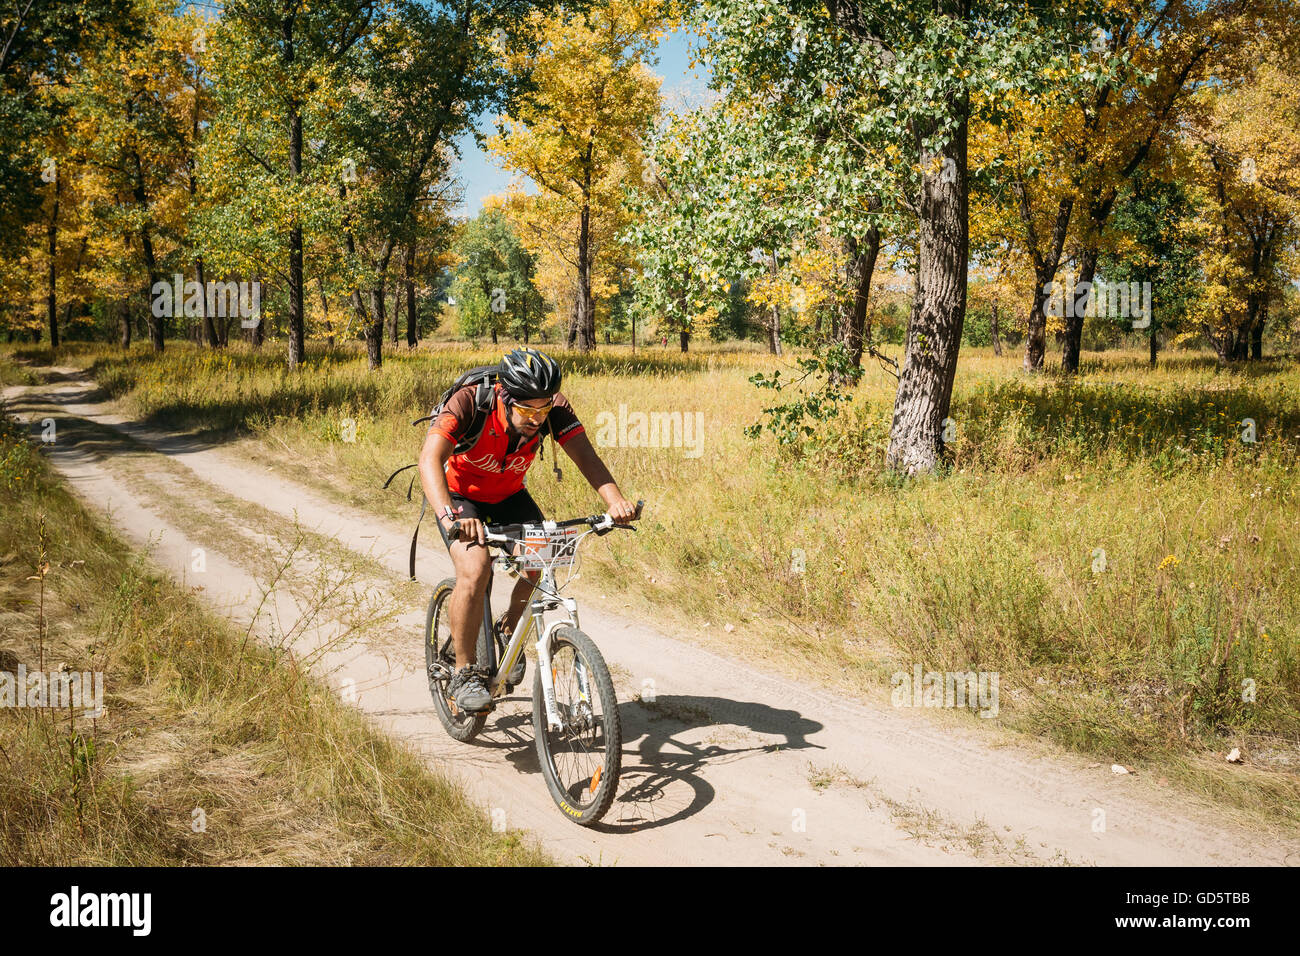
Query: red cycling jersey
x,y
492,469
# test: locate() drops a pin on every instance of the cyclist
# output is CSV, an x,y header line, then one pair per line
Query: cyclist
x,y
485,485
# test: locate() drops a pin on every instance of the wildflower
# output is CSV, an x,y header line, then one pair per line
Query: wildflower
x,y
1169,562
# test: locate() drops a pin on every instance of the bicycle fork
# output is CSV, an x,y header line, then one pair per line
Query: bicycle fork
x,y
544,667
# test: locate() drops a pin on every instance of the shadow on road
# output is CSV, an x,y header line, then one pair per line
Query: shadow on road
x,y
666,747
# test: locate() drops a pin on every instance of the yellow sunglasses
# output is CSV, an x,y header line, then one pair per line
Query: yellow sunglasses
x,y
533,413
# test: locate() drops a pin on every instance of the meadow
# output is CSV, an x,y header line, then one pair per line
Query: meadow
x,y
1120,547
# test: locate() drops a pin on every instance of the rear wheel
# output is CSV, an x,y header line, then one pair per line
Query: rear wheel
x,y
580,761
440,664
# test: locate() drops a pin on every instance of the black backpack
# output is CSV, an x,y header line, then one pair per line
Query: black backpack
x,y
484,377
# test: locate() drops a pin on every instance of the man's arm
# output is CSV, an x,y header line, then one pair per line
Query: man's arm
x,y
597,474
433,477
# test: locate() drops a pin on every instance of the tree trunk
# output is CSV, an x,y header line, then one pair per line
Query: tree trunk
x,y
125,316
51,298
1257,334
1072,345
375,327
209,328
773,332
397,314
258,333
938,311
582,327
412,332
993,325
862,266
686,340
1151,332
325,312
297,325
156,326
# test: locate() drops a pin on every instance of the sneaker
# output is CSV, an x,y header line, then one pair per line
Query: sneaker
x,y
467,689
516,676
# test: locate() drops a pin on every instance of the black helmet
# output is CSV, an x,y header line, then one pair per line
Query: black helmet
x,y
528,373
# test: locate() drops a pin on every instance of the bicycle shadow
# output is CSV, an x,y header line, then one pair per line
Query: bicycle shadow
x,y
661,782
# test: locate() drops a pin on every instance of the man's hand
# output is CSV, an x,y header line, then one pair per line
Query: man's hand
x,y
471,529
621,510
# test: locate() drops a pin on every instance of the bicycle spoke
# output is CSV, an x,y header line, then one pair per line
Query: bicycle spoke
x,y
577,751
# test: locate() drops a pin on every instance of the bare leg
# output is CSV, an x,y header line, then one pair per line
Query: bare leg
x,y
519,598
472,565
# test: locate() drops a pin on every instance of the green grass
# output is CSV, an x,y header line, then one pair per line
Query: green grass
x,y
1110,545
210,751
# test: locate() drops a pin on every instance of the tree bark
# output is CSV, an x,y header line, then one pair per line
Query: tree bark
x,y
686,340
938,311
993,324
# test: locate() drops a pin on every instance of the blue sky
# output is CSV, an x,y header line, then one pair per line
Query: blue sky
x,y
683,86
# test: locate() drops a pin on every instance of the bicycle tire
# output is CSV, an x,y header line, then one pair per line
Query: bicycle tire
x,y
460,726
606,784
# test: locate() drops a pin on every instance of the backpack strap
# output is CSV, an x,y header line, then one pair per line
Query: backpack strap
x,y
424,503
555,452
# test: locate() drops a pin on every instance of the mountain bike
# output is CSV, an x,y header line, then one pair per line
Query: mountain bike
x,y
575,711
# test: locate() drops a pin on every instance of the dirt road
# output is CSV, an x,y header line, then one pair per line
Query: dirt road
x,y
730,765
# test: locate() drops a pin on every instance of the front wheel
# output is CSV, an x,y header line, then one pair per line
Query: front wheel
x,y
580,761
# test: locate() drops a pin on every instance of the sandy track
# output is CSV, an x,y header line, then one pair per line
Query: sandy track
x,y
731,765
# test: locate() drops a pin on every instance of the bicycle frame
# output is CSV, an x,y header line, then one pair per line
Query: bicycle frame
x,y
545,584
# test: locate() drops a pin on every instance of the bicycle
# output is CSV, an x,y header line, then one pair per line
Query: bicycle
x,y
579,741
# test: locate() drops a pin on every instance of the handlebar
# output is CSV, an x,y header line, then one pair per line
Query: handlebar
x,y
602,524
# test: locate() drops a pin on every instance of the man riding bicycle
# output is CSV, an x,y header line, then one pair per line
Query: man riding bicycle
x,y
485,485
